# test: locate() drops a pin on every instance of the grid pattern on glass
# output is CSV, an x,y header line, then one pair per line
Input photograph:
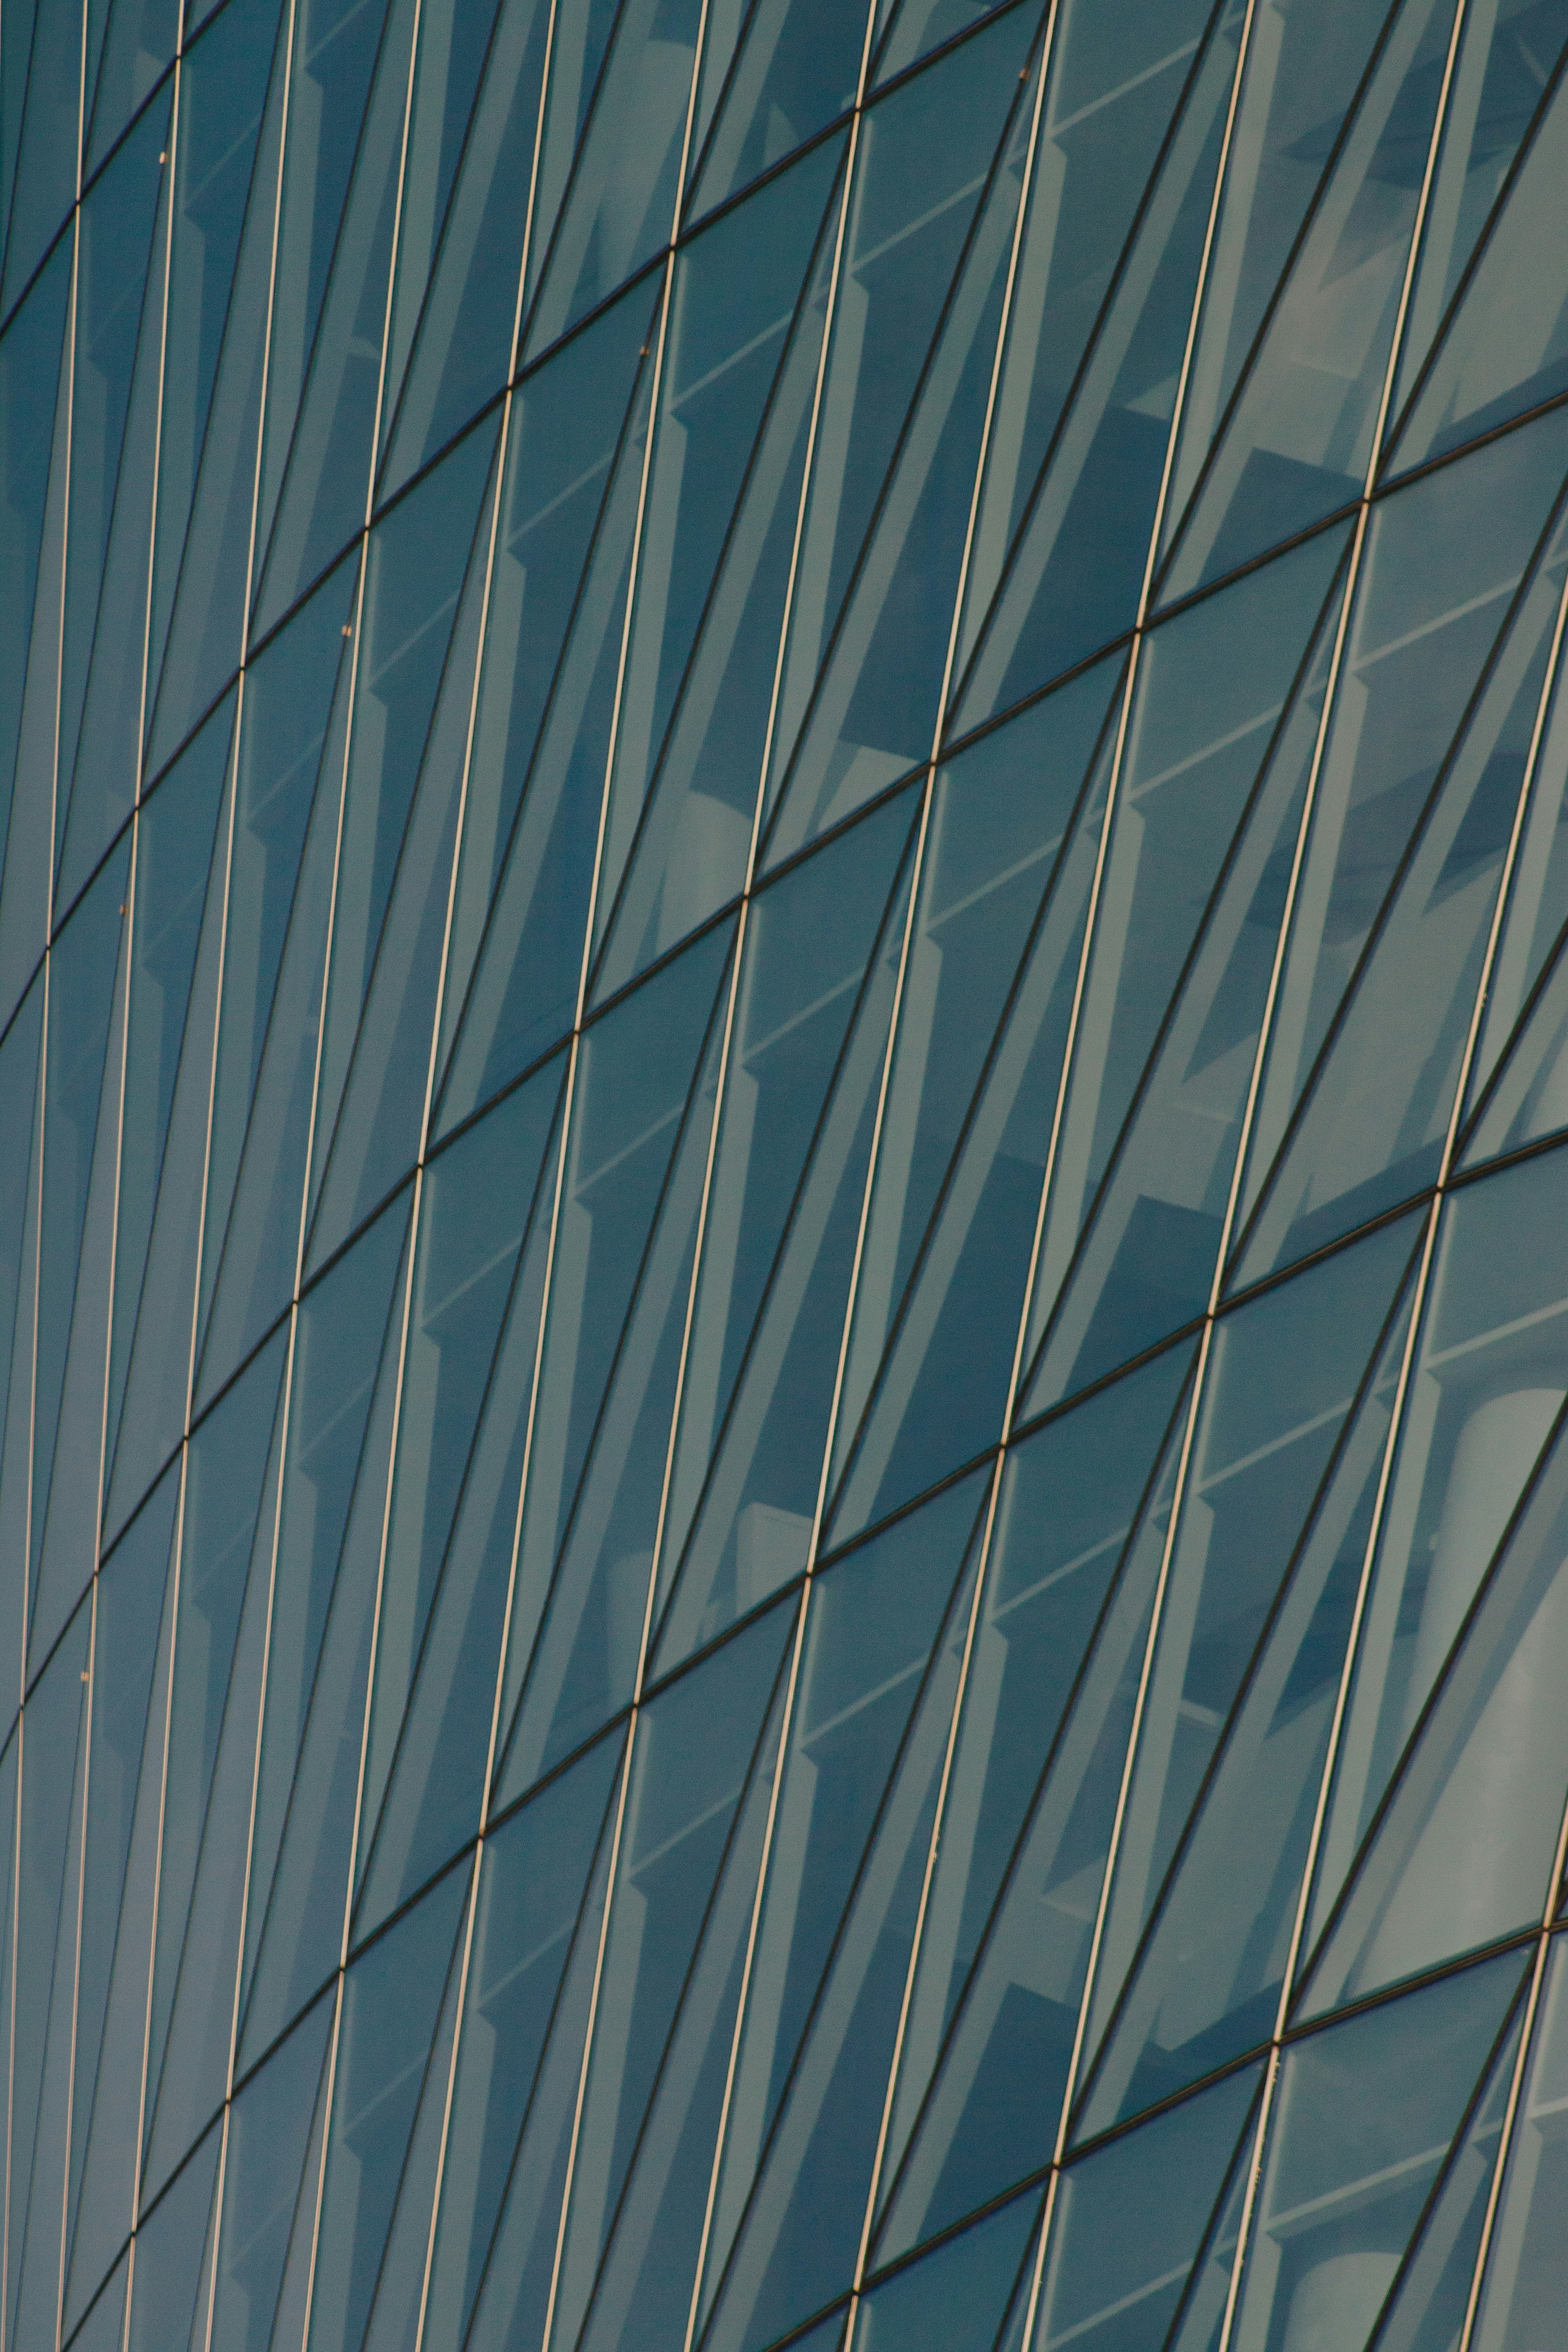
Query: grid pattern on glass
x,y
783,1368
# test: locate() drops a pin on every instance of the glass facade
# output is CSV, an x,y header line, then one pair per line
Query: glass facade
x,y
783,1175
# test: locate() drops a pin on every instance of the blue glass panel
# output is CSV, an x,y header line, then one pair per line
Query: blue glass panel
x,y
1321,131
138,38
690,1844
79,1087
268,2135
172,891
736,306
30,355
347,54
219,1638
390,2002
1297,440
1078,555
114,417
1009,1924
1504,349
794,71
874,708
1485,1394
1502,78
790,2207
810,965
1132,2221
521,2059
1440,571
403,803
1525,2276
1281,1382
463,228
1426,2308
1181,968
221,202
642,1105
693,788
957,2298
329,1534
170,2249
129,1609
324,496
546,697
619,202
1362,2121
967,1270
875,1621
923,169
47,80
467,1374
1380,1101
1118,82
1204,1981
19,1208
203,553
53,1775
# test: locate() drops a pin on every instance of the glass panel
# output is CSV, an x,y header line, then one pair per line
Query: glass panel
x,y
877,1622
542,734
1282,1379
170,2252
120,324
1362,2120
621,201
403,804
877,698
1297,441
1119,76
1314,138
1078,538
467,1375
175,886
1505,346
923,172
1484,1397
1132,2221
1425,2312
739,303
958,2297
1527,2272
30,356
1048,1707
788,2215
1204,1982
1374,1124
1441,569
967,1271
642,1107
795,69
463,229
392,2001
264,2179
1503,75
690,1844
1222,735
329,1535
131,1602
805,1041
202,553
520,2066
